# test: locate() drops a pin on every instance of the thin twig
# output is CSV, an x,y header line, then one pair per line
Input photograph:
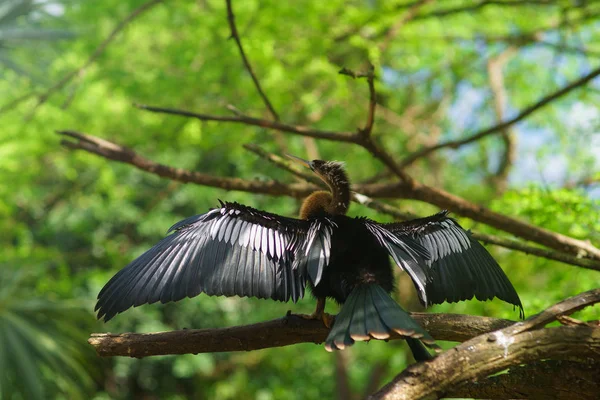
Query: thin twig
x,y
236,37
454,144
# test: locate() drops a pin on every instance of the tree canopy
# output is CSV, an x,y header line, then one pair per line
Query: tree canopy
x,y
487,108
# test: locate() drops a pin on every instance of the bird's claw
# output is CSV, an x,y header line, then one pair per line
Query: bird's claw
x,y
326,318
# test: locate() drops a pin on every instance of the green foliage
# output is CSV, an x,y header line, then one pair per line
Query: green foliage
x,y
42,341
70,220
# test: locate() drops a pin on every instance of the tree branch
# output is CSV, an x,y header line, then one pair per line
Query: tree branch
x,y
551,379
236,37
491,353
479,358
347,137
112,151
454,144
123,154
285,331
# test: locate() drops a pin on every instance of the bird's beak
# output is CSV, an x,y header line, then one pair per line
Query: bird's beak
x,y
299,160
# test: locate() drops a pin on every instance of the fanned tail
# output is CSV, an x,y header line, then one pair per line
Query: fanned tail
x,y
370,313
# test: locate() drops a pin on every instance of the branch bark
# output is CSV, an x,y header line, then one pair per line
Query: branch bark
x,y
483,356
551,379
285,331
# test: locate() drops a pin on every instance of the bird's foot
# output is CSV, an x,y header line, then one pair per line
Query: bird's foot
x,y
326,318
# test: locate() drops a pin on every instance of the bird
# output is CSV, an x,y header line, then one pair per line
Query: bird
x,y
237,250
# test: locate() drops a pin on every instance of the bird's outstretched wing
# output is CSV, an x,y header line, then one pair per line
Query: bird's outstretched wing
x,y
232,250
459,267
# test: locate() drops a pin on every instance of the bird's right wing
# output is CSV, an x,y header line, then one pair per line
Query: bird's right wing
x,y
460,268
232,250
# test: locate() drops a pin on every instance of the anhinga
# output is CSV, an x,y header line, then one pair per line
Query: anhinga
x,y
238,250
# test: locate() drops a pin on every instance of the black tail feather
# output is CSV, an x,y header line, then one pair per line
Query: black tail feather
x,y
419,351
370,313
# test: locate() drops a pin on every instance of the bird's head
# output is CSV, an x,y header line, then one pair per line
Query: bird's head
x,y
334,175
331,172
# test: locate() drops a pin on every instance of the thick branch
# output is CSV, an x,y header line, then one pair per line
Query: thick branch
x,y
276,333
494,352
504,125
551,379
481,357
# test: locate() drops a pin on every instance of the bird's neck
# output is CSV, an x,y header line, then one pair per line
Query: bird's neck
x,y
324,203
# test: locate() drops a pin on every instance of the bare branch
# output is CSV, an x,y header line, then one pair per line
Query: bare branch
x,y
454,144
565,307
480,357
481,4
366,131
347,137
123,154
235,35
536,251
487,238
280,332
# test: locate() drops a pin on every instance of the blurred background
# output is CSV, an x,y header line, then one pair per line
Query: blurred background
x,y
70,220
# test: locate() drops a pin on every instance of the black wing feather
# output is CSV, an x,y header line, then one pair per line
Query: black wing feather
x,y
232,250
407,253
460,268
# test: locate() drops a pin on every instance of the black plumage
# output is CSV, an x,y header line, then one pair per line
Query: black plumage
x,y
238,250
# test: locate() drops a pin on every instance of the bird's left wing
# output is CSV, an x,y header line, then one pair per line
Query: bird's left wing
x,y
232,250
459,267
